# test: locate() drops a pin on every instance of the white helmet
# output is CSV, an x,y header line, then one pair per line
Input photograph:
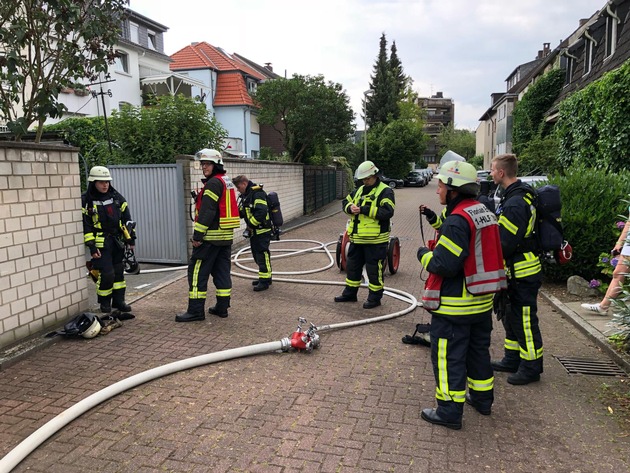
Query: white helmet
x,y
461,176
365,169
211,155
93,330
99,173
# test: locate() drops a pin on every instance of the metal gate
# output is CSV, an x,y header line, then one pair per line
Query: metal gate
x,y
155,193
320,187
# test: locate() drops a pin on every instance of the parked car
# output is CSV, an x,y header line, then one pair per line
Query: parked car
x,y
415,179
483,175
534,181
393,183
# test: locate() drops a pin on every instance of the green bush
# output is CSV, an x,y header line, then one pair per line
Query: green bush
x,y
592,201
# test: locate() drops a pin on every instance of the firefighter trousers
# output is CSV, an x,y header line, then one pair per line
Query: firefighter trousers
x,y
111,283
460,353
209,260
373,258
262,256
523,340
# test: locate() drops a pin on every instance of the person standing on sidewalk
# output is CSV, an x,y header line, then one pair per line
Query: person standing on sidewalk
x,y
517,215
465,270
105,214
254,210
621,250
371,208
216,217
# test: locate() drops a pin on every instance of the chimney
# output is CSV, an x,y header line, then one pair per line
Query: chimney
x,y
546,49
194,43
540,54
268,66
439,95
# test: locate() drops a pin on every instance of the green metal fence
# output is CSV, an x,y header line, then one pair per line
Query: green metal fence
x,y
320,187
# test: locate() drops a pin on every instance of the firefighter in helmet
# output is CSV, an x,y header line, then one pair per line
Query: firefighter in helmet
x,y
371,208
105,215
465,270
216,217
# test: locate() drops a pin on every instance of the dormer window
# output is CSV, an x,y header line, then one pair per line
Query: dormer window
x,y
611,35
251,87
152,40
134,32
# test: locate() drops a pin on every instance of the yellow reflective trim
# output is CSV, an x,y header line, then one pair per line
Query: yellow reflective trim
x,y
511,345
211,194
450,245
509,226
351,283
441,390
481,384
223,292
120,285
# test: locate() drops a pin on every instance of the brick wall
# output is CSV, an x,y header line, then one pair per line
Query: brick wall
x,y
287,179
42,258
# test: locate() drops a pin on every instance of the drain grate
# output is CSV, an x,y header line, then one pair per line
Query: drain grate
x,y
590,366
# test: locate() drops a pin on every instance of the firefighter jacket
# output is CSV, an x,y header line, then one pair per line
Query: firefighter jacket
x,y
466,266
372,225
216,214
254,210
517,217
104,215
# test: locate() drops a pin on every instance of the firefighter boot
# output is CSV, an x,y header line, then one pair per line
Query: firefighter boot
x,y
448,413
221,307
373,300
255,282
510,362
528,372
194,312
118,301
349,294
106,304
263,285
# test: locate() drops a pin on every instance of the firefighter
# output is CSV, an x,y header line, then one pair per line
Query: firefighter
x,y
105,215
254,210
216,217
371,208
523,348
465,270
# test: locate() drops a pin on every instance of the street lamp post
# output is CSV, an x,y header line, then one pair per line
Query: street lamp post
x,y
365,96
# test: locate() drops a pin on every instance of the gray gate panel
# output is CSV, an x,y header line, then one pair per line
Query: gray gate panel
x,y
155,193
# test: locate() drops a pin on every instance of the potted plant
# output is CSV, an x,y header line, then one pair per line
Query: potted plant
x,y
81,90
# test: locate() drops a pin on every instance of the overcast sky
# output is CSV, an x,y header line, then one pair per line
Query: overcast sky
x,y
463,48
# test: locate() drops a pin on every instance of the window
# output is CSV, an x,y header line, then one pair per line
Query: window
x,y
122,62
152,40
611,36
588,56
569,70
251,87
134,33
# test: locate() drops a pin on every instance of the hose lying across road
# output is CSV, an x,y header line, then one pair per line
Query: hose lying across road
x,y
28,445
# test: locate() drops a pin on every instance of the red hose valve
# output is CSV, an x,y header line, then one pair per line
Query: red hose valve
x,y
304,340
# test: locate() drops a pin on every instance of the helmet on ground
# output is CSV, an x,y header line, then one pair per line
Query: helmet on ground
x,y
460,176
365,170
89,326
99,173
211,155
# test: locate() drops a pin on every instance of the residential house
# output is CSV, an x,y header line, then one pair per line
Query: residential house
x,y
439,113
229,79
600,44
141,70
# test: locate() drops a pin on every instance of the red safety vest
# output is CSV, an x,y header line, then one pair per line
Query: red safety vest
x,y
484,272
228,206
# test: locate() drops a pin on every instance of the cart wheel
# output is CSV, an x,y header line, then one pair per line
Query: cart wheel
x,y
338,251
345,245
393,255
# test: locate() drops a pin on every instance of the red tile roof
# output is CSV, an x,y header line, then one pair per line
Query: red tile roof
x,y
205,56
231,90
231,71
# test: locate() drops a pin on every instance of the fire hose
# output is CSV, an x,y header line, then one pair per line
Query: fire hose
x,y
299,340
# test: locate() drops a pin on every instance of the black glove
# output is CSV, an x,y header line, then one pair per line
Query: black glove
x,y
423,250
92,249
427,212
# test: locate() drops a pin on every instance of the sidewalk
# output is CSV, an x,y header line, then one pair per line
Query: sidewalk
x,y
351,406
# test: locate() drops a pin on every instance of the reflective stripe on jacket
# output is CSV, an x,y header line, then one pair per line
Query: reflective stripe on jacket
x,y
466,267
372,224
216,215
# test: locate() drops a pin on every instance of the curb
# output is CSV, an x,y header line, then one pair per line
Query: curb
x,y
594,335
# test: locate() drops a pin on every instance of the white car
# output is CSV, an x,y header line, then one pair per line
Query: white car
x,y
534,181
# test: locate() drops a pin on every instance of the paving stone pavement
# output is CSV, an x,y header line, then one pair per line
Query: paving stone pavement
x,y
353,405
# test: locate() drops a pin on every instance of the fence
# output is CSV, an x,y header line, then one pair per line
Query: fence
x,y
320,187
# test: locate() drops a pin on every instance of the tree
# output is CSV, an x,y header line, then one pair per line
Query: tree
x,y
400,80
47,46
382,106
146,135
402,143
306,111
462,141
